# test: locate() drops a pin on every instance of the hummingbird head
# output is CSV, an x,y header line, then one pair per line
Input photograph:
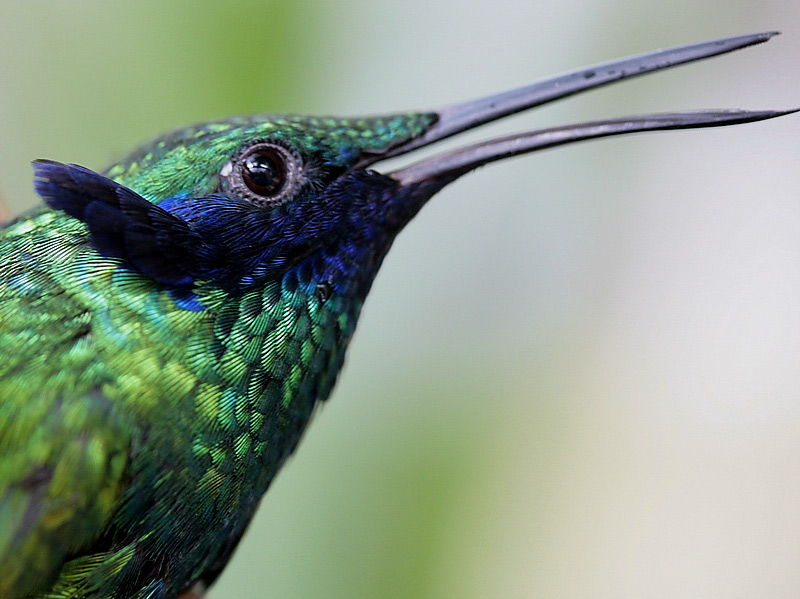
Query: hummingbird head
x,y
238,201
271,192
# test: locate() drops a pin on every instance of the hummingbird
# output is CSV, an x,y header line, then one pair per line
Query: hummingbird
x,y
168,325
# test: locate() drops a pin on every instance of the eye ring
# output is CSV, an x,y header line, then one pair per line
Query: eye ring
x,y
265,173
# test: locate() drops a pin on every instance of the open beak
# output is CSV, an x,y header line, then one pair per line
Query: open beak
x,y
446,167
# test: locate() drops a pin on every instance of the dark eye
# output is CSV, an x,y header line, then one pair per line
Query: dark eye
x,y
265,173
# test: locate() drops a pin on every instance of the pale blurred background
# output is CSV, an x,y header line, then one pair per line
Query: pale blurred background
x,y
578,374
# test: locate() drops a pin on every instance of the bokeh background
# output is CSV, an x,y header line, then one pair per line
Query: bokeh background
x,y
578,373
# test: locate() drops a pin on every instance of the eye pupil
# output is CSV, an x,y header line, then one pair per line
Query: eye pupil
x,y
264,172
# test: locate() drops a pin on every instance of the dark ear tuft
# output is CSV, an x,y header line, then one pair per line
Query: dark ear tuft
x,y
122,224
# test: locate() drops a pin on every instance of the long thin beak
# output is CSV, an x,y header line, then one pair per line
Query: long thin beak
x,y
468,115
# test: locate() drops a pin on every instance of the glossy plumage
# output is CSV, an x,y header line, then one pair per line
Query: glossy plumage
x,y
137,399
166,333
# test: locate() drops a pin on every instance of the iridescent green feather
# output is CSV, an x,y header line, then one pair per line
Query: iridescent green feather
x,y
135,428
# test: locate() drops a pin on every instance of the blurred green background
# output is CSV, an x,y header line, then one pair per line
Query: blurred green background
x,y
578,373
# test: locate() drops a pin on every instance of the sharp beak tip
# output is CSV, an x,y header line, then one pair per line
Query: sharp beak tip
x,y
456,118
